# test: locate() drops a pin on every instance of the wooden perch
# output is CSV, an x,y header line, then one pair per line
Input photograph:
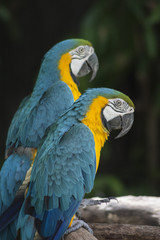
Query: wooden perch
x,y
80,234
103,231
131,218
125,232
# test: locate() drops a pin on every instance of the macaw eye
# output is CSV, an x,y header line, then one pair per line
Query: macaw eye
x,y
118,103
121,105
81,49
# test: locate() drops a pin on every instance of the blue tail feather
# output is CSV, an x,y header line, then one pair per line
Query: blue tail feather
x,y
61,225
12,175
11,213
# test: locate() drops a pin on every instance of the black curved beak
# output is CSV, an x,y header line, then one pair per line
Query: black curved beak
x,y
120,125
90,65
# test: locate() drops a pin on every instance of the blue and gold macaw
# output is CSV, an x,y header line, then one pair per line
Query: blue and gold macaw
x,y
68,157
55,91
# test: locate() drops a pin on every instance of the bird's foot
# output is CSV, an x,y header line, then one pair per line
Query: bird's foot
x,y
76,224
93,202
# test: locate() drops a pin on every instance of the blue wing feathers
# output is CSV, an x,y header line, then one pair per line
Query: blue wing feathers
x,y
67,218
8,234
27,128
33,117
27,226
56,221
48,226
11,213
12,175
16,121
62,174
60,178
6,219
35,114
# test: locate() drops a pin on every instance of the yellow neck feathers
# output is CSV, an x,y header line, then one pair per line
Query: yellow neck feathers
x,y
94,122
66,76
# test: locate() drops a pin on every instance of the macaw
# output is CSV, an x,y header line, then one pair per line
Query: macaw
x,y
54,92
68,158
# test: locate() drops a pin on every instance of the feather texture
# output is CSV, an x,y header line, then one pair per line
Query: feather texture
x,y
66,164
50,98
64,175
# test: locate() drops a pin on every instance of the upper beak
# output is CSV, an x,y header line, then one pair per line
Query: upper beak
x,y
90,65
94,65
120,125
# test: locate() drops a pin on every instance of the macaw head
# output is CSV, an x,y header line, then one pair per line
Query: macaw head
x,y
66,61
83,59
107,111
75,56
118,116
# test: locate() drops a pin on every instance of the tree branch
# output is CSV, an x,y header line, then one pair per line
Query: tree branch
x,y
131,218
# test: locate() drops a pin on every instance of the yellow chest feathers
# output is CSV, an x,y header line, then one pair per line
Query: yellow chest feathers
x,y
94,122
66,76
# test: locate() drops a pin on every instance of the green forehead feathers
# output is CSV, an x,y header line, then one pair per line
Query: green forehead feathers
x,y
84,42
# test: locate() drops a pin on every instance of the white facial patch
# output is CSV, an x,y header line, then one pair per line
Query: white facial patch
x,y
79,56
76,65
116,107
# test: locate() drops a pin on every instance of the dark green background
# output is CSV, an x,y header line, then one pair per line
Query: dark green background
x,y
126,38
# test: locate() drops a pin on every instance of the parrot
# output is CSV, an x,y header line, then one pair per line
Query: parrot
x,y
67,160
55,90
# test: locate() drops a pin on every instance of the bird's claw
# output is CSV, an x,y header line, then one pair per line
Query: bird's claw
x,y
76,224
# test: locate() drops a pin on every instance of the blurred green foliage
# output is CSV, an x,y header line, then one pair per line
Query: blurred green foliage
x,y
108,185
126,37
11,25
124,34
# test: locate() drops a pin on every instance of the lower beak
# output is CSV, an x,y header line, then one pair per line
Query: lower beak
x,y
90,65
120,125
